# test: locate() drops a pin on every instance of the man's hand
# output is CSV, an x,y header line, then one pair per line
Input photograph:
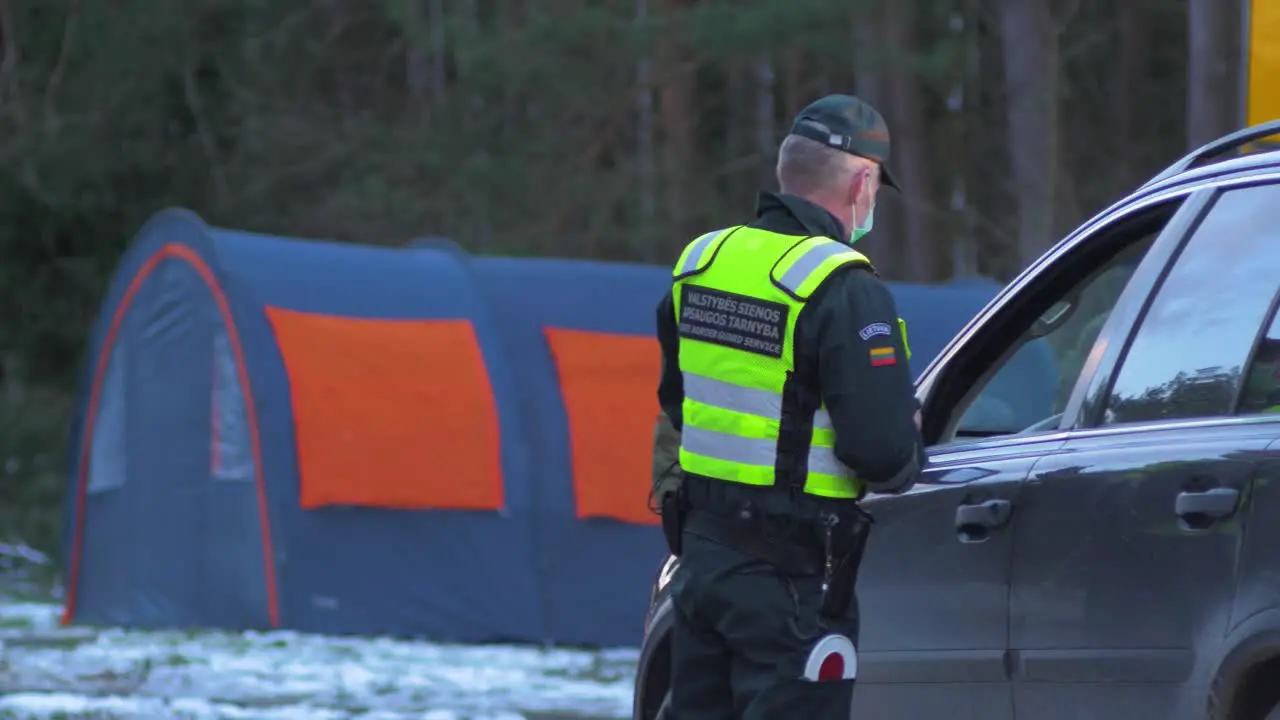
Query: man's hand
x,y
917,419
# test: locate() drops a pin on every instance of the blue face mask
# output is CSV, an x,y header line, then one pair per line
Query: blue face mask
x,y
856,234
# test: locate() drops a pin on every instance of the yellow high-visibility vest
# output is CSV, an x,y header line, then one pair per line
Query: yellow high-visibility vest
x,y
737,294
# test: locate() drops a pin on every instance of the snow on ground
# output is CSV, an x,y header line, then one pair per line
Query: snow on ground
x,y
52,673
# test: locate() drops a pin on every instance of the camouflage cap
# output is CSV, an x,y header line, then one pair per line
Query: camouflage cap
x,y
849,124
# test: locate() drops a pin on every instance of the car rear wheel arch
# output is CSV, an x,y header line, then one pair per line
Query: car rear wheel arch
x,y
1247,685
1257,697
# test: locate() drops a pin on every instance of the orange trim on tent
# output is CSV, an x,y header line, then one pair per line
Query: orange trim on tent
x,y
609,384
170,251
390,413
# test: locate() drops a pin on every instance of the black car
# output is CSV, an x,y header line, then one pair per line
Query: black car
x,y
1097,534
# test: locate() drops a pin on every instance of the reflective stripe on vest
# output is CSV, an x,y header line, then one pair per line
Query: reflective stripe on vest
x,y
753,451
697,252
733,396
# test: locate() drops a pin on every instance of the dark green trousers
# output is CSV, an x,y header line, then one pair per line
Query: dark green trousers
x,y
741,635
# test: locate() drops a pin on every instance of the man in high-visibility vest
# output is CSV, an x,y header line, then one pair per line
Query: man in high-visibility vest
x,y
785,375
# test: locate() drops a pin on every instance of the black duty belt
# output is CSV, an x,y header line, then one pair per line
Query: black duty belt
x,y
748,537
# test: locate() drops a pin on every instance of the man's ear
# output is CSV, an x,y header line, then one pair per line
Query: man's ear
x,y
854,188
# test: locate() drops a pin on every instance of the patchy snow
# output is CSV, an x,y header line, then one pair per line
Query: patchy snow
x,y
47,672
19,566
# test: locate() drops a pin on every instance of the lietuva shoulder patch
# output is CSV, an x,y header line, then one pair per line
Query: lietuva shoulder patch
x,y
874,329
734,321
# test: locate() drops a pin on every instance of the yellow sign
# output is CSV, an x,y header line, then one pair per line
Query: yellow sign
x,y
1264,61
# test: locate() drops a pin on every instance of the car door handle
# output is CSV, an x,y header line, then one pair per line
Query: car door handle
x,y
1201,508
975,521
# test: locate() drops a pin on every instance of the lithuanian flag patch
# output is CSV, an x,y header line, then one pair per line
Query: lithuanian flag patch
x,y
881,356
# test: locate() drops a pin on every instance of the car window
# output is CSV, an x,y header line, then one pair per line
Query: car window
x,y
1016,373
1035,382
1187,357
1261,392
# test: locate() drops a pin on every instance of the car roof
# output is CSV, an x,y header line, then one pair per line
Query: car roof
x,y
1256,161
1251,148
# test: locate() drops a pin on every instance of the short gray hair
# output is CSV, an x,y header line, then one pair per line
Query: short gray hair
x,y
807,166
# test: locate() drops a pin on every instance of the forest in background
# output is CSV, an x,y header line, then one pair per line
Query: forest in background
x,y
613,129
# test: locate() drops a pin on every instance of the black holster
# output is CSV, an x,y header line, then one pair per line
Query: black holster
x,y
851,539
674,508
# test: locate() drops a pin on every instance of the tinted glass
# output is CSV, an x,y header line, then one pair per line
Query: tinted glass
x,y
1262,382
1187,357
1035,382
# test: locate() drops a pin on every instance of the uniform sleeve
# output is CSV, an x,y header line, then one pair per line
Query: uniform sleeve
x,y
667,475
671,383
865,382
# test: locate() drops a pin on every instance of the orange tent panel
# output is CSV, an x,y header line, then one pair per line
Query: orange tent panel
x,y
609,385
390,413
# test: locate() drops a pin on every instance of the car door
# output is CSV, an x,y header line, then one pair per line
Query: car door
x,y
1126,549
934,588
934,592
1257,606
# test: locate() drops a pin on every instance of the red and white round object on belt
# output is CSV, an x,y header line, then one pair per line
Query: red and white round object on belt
x,y
832,658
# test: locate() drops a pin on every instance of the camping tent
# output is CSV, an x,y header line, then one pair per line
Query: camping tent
x,y
348,439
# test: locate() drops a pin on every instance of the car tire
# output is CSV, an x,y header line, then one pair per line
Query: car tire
x,y
665,707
